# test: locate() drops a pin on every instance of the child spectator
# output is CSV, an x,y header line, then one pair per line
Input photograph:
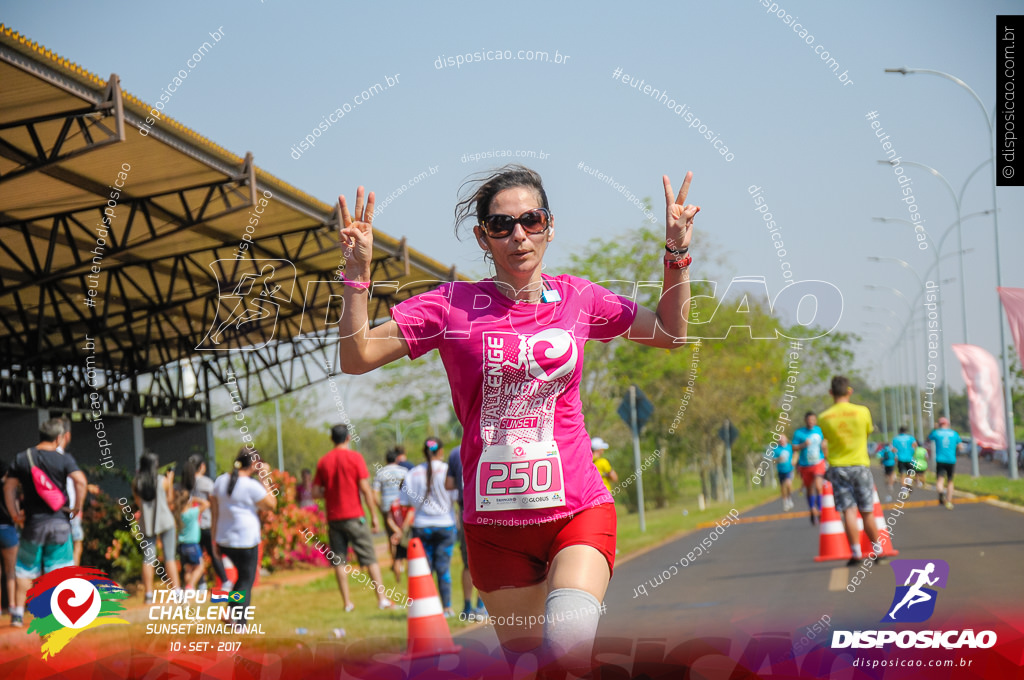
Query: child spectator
x,y
188,509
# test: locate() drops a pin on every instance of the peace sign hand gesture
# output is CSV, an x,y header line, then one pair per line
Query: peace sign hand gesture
x,y
678,215
357,232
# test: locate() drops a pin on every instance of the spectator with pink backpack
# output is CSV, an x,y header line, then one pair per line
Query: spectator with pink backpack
x,y
43,472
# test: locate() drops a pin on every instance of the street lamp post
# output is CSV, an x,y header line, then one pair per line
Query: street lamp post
x,y
899,406
916,396
896,392
963,300
942,345
885,417
1011,444
880,368
396,427
957,202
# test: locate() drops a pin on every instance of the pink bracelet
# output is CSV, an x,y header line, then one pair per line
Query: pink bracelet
x,y
362,285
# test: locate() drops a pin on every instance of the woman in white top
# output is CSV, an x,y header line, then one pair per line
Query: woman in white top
x,y
434,519
235,505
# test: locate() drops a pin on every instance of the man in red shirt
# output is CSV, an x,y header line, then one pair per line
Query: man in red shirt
x,y
343,481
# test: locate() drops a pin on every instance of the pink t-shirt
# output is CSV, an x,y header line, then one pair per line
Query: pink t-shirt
x,y
514,371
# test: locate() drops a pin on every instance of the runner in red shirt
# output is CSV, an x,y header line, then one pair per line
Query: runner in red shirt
x,y
539,522
343,481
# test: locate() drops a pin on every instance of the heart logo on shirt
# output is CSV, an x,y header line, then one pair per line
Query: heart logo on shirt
x,y
551,354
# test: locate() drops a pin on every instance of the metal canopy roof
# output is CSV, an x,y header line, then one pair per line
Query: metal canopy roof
x,y
165,264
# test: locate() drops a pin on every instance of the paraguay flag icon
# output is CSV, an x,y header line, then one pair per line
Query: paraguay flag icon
x,y
69,600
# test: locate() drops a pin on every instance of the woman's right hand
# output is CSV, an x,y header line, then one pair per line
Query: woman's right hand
x,y
357,234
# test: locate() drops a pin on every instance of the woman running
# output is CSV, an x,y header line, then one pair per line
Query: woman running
x,y
539,522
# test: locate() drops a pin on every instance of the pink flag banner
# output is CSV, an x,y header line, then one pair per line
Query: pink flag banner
x,y
984,396
1013,303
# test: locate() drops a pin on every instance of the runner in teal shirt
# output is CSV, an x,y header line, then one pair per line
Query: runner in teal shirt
x,y
944,442
810,442
784,468
888,457
904,444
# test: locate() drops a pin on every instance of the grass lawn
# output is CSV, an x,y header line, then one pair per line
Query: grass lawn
x,y
317,605
1010,490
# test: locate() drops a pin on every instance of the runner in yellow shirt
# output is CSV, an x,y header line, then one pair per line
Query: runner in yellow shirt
x,y
846,427
608,475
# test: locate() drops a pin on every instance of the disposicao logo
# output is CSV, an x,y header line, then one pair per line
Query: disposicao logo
x,y
914,602
70,600
915,576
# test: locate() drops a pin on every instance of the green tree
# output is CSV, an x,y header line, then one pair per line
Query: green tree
x,y
738,374
417,404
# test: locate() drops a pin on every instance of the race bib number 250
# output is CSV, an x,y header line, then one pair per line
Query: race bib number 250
x,y
521,477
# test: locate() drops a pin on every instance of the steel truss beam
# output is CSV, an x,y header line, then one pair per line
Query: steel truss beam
x,y
195,205
282,366
71,388
176,283
83,130
152,313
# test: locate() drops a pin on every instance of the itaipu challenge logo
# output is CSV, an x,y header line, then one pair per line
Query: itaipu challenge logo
x,y
70,600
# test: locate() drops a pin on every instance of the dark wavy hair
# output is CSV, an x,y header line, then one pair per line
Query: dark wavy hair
x,y
484,187
243,461
191,471
145,483
430,449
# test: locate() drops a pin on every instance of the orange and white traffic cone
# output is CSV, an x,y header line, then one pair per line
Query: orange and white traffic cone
x,y
428,631
832,541
883,533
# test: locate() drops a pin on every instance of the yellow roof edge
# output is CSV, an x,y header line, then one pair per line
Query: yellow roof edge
x,y
32,49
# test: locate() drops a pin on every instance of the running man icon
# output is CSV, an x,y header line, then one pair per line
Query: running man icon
x,y
255,300
915,595
916,576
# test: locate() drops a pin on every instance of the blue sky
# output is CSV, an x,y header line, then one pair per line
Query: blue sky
x,y
794,129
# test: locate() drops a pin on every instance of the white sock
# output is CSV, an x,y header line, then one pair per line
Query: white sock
x,y
855,549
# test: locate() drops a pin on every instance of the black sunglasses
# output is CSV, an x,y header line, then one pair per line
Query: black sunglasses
x,y
534,222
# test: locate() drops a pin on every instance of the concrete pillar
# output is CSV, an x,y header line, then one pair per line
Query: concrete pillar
x,y
174,444
21,429
108,450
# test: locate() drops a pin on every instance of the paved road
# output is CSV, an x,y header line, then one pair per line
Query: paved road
x,y
761,578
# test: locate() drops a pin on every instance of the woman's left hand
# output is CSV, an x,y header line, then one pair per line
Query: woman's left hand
x,y
678,215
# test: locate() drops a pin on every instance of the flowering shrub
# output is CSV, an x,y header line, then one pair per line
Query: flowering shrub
x,y
108,545
125,557
283,543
